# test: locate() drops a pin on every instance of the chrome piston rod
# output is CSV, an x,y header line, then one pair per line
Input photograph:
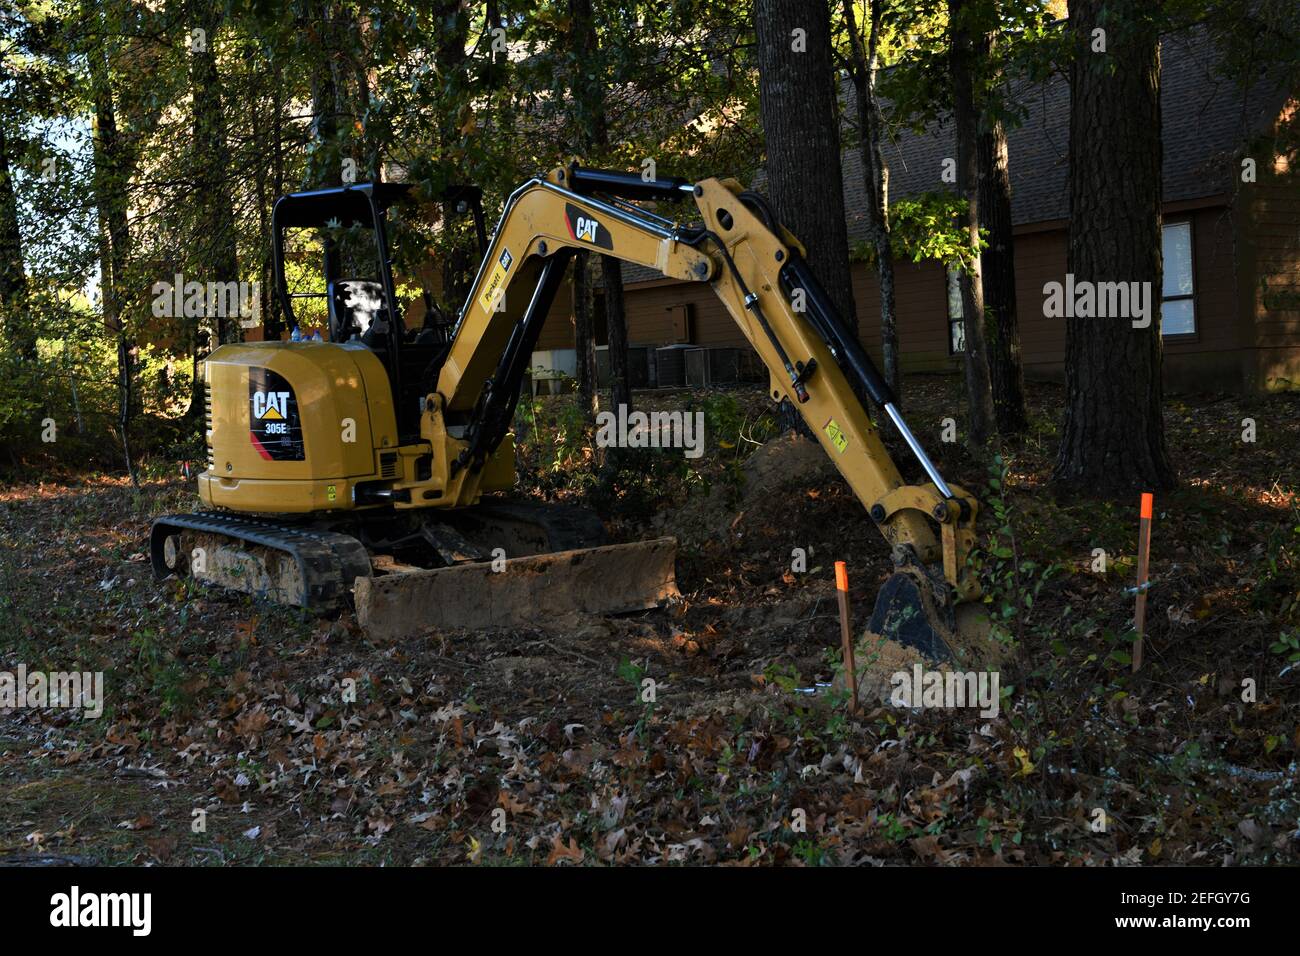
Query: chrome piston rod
x,y
896,417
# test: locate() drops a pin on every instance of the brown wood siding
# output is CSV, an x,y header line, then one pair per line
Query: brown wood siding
x,y
1212,358
1277,244
650,321
1275,296
921,300
1040,259
557,332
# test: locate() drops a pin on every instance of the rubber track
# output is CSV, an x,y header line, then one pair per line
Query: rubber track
x,y
329,562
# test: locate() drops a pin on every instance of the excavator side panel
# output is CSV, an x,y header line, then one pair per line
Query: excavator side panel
x,y
294,426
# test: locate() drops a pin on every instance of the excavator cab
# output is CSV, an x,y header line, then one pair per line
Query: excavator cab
x,y
357,302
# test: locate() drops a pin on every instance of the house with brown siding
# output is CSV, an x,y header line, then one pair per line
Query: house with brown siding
x,y
1230,304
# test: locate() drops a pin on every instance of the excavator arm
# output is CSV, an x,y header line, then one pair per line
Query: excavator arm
x,y
759,272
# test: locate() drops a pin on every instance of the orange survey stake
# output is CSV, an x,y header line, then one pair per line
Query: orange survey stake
x,y
1144,553
846,631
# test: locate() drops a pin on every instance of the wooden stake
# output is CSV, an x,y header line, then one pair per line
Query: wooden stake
x,y
846,631
1144,552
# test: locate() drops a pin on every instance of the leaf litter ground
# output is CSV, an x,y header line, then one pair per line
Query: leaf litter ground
x,y
539,745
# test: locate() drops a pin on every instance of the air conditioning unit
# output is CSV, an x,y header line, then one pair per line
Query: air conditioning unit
x,y
670,365
640,358
724,366
548,369
697,367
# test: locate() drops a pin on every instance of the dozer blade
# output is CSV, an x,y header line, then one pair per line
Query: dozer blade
x,y
910,624
611,579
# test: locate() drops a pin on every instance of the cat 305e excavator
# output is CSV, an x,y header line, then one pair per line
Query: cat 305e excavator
x,y
364,469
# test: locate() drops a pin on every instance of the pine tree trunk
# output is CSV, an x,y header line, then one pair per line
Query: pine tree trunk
x,y
962,65
589,94
13,271
620,385
1113,439
323,167
266,198
876,175
800,113
998,265
272,318
110,189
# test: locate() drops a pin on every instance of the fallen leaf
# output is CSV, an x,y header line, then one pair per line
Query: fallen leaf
x,y
559,852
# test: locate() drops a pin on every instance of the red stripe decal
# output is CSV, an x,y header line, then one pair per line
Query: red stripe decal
x,y
258,445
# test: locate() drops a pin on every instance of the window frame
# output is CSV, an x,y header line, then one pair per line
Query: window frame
x,y
1195,334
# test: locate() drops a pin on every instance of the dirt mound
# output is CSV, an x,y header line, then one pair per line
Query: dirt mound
x,y
789,459
783,462
875,662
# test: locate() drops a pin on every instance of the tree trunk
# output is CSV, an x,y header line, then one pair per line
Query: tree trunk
x,y
110,186
961,61
584,336
865,64
264,201
459,266
273,321
324,161
14,319
211,161
998,265
1113,438
589,96
800,114
620,385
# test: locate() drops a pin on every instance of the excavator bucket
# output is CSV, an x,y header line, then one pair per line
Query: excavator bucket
x,y
610,579
911,624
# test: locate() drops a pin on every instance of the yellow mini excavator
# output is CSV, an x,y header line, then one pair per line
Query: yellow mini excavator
x,y
368,468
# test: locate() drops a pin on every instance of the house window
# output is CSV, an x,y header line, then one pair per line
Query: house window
x,y
1177,303
956,329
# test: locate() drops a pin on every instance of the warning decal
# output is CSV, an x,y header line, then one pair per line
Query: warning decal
x,y
836,435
